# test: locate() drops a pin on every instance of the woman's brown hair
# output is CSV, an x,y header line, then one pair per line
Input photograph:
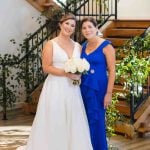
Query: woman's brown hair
x,y
89,19
67,17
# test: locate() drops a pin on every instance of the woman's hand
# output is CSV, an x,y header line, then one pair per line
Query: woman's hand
x,y
73,76
107,100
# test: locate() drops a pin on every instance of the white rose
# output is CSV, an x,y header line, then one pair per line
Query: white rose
x,y
81,68
86,64
73,68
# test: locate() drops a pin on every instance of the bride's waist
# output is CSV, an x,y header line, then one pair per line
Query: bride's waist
x,y
57,77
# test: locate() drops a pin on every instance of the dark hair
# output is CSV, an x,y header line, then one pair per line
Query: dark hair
x,y
67,17
89,19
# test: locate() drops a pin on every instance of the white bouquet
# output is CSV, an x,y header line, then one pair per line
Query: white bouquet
x,y
76,66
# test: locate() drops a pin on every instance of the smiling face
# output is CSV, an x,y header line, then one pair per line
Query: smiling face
x,y
68,27
89,30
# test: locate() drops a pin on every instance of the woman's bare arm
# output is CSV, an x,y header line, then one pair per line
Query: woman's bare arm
x,y
47,61
111,60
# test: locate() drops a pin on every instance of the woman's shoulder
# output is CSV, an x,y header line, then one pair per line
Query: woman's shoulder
x,y
53,40
77,44
104,42
107,45
49,42
48,45
107,41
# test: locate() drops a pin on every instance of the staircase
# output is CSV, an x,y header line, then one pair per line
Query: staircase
x,y
118,32
30,108
142,116
42,5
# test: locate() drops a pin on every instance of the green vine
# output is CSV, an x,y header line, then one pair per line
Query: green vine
x,y
13,72
112,115
134,69
10,87
139,46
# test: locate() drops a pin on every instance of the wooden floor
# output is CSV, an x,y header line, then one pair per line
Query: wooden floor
x,y
14,132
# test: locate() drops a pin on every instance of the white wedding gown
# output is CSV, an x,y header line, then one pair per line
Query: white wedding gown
x,y
60,122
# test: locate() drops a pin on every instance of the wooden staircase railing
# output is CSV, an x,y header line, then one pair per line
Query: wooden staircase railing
x,y
142,125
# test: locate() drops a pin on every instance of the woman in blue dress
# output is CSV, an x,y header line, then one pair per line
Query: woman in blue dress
x,y
97,85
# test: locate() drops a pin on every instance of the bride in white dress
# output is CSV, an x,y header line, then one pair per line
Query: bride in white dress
x,y
60,122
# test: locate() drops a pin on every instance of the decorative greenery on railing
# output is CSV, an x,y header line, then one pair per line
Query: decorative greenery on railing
x,y
135,66
134,70
139,46
24,69
7,92
112,115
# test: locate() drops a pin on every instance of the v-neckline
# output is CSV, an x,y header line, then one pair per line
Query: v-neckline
x,y
69,57
93,50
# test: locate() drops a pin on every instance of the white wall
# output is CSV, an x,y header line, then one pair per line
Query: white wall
x,y
15,21
134,9
17,17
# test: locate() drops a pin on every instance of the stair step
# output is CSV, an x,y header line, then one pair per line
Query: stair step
x,y
118,61
123,107
140,24
126,33
36,5
48,4
29,108
125,128
142,108
120,55
143,122
120,88
43,5
36,94
118,41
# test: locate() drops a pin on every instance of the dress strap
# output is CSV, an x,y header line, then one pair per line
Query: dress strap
x,y
84,46
105,43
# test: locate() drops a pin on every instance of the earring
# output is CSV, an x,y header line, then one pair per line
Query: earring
x,y
98,33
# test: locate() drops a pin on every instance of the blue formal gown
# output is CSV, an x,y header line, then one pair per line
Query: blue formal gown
x,y
93,89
